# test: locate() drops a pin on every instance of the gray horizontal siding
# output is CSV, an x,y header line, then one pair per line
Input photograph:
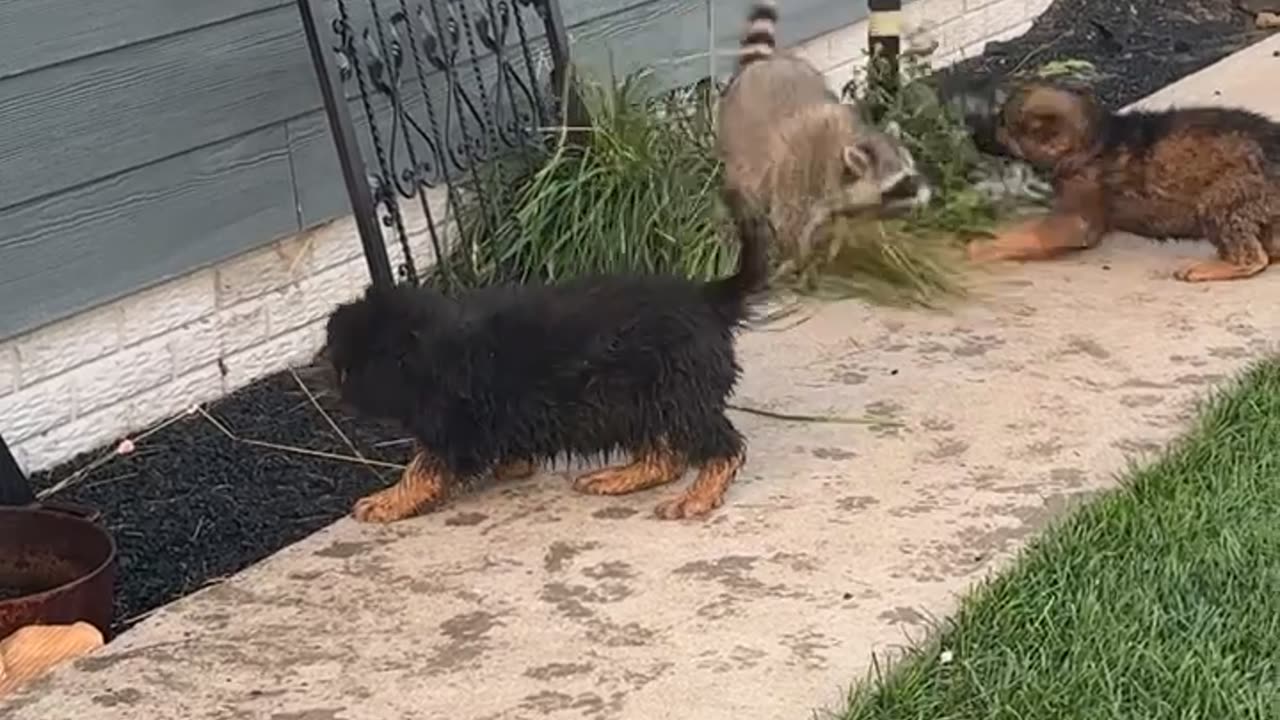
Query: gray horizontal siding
x,y
142,139
68,252
40,33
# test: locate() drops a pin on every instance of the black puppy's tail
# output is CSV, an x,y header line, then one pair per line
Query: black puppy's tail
x,y
730,294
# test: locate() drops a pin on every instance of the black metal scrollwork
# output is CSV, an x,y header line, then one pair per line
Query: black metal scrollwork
x,y
445,86
449,84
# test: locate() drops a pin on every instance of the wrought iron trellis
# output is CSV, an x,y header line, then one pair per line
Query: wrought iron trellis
x,y
444,88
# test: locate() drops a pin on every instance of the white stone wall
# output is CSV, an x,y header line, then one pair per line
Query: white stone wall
x,y
93,379
962,28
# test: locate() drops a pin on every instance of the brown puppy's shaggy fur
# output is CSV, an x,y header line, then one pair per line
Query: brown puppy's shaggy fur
x,y
1211,173
498,379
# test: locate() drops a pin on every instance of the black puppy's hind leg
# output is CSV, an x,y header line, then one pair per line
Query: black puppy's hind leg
x,y
423,485
714,476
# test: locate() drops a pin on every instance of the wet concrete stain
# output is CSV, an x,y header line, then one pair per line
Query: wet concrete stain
x,y
723,606
1138,446
884,410
323,713
948,449
735,574
344,550
916,508
588,705
465,519
613,635
851,377
1086,346
123,696
938,425
977,346
572,600
1141,401
903,615
558,671
560,554
616,512
1229,352
1068,477
1044,448
1144,384
854,503
741,657
831,453
1197,379
807,648
610,570
467,636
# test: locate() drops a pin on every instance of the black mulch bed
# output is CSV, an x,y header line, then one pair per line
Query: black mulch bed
x,y
192,505
1136,46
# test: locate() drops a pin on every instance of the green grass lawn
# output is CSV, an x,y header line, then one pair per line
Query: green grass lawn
x,y
1158,600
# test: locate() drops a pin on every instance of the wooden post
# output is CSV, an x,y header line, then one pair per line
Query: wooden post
x,y
884,38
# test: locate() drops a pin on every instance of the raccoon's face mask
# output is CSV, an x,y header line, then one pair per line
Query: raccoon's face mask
x,y
880,166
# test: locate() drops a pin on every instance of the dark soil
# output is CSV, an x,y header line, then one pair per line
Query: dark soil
x,y
1136,46
191,505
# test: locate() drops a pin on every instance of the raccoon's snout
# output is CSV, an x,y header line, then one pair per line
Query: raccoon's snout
x,y
908,190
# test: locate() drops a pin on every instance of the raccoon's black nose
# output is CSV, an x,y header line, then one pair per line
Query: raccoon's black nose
x,y
905,189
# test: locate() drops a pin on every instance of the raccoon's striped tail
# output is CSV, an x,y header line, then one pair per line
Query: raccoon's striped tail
x,y
759,40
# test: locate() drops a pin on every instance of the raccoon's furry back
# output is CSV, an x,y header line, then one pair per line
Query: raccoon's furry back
x,y
769,86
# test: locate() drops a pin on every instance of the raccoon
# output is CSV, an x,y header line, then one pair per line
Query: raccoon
x,y
794,152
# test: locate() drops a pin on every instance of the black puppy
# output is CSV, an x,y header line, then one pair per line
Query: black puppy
x,y
498,379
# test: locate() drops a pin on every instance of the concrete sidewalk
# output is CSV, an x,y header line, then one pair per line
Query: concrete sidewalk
x,y
529,601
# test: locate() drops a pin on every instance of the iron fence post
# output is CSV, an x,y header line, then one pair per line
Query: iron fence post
x,y
349,157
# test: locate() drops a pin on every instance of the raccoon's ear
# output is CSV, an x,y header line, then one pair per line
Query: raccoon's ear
x,y
857,161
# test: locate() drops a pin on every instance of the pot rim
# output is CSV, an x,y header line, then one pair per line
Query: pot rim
x,y
83,577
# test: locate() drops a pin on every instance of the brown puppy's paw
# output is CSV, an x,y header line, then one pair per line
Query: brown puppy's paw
x,y
687,506
384,506
1213,271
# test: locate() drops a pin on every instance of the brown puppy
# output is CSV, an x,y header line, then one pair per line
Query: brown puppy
x,y
1211,173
